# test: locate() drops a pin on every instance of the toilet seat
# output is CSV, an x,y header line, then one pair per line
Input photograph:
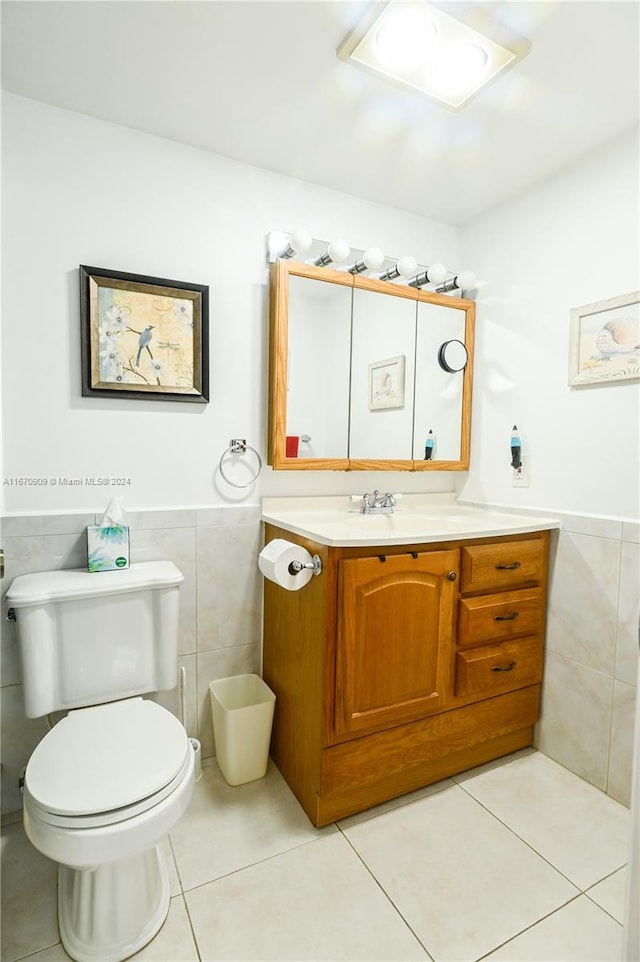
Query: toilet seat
x,y
105,764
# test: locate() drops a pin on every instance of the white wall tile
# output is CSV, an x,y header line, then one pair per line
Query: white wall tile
x,y
229,586
575,722
583,600
627,647
621,752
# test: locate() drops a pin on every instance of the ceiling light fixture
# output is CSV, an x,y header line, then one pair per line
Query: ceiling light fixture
x,y
417,45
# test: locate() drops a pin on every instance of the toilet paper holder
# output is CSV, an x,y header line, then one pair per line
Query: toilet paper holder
x,y
295,567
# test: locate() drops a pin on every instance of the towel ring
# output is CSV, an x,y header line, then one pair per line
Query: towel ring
x,y
240,446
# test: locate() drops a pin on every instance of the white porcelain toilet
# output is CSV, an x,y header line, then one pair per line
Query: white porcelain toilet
x,y
110,780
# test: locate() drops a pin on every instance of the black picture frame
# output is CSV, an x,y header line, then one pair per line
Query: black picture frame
x,y
117,338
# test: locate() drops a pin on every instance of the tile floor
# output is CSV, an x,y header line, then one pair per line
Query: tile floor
x,y
515,860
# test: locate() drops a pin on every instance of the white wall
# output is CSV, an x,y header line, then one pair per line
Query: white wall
x,y
81,191
571,241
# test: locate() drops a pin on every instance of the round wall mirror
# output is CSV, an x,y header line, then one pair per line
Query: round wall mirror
x,y
452,356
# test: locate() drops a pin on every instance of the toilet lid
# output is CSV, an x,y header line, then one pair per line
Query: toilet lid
x,y
107,757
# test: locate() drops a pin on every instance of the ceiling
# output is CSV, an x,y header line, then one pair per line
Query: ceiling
x,y
259,81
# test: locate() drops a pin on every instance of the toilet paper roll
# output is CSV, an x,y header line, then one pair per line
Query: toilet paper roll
x,y
274,561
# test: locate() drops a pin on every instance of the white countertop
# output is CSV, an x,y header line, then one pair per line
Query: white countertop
x,y
417,519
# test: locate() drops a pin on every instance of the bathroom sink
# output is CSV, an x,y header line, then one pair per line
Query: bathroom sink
x,y
418,519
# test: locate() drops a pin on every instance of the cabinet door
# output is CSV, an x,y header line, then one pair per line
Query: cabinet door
x,y
394,645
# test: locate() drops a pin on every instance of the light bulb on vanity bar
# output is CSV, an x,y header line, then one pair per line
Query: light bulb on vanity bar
x,y
433,275
464,281
338,252
371,260
299,242
403,268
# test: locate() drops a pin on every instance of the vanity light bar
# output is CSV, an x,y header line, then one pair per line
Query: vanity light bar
x,y
283,246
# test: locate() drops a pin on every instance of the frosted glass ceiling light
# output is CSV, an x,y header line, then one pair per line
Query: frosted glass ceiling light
x,y
414,44
458,68
404,36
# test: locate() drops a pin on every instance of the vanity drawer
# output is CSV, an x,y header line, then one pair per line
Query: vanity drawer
x,y
497,668
494,566
499,617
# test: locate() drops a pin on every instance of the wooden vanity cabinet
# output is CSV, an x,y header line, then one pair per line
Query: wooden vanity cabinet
x,y
402,665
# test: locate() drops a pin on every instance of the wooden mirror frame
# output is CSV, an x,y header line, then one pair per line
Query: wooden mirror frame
x,y
281,270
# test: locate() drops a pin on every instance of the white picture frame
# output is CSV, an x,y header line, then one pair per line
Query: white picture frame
x,y
604,343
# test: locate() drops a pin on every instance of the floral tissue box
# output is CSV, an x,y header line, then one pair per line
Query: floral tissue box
x,y
107,547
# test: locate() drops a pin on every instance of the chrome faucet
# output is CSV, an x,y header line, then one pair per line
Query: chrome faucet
x,y
377,503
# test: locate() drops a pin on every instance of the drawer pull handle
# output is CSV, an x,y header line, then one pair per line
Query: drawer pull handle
x,y
511,617
508,667
516,564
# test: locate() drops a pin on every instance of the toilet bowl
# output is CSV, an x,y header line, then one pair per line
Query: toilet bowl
x,y
102,790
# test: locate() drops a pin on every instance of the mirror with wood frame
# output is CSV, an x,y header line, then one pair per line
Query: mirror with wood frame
x,y
355,378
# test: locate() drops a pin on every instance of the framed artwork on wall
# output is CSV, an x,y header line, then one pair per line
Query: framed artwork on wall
x,y
143,337
604,344
386,383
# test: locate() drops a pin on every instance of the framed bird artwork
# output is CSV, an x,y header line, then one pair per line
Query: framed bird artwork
x,y
143,337
604,345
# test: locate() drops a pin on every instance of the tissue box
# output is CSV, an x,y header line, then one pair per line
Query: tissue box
x,y
107,547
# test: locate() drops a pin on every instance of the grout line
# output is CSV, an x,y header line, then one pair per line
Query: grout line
x,y
385,893
532,848
532,926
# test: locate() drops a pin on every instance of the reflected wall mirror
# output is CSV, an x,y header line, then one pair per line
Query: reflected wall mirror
x,y
367,374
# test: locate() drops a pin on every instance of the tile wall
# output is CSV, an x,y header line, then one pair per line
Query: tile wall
x,y
592,633
591,665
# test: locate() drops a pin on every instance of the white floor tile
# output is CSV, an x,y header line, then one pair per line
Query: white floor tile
x,y
315,902
578,932
580,830
463,881
226,829
611,893
29,896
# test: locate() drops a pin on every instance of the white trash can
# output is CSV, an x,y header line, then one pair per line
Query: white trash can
x,y
242,710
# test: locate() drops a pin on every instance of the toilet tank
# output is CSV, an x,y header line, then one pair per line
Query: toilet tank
x,y
92,637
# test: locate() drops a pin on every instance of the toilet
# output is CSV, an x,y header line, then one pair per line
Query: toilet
x,y
109,781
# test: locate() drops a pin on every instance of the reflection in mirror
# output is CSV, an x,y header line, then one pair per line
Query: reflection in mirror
x,y
382,374
318,368
438,404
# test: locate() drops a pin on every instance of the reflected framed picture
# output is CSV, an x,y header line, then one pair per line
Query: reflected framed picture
x,y
386,383
143,337
604,345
